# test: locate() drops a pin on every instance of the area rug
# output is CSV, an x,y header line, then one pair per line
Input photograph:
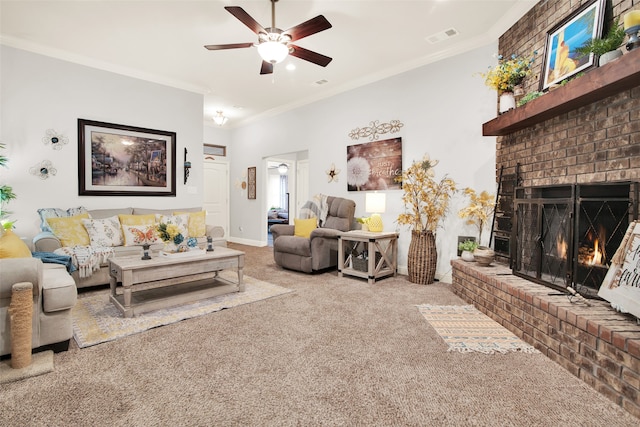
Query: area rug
x,y
465,329
97,320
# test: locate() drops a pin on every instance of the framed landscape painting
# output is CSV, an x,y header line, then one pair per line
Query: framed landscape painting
x,y
561,60
120,160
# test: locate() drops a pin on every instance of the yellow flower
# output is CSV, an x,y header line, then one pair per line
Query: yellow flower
x,y
425,199
508,73
479,209
170,233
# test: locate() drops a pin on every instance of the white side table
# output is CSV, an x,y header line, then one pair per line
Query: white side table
x,y
377,266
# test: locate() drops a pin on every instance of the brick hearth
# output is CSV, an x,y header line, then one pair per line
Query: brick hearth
x,y
596,344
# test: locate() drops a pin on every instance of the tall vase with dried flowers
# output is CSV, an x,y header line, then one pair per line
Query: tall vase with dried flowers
x,y
426,201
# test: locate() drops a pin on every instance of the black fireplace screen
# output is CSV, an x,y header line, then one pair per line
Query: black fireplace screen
x,y
566,235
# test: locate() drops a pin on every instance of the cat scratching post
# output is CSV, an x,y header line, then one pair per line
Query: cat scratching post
x,y
20,314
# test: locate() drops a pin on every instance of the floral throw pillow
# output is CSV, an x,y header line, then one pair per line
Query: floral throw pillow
x,y
182,221
104,232
197,223
46,213
136,235
70,230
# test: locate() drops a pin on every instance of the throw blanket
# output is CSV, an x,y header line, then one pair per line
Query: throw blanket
x,y
316,208
51,258
86,259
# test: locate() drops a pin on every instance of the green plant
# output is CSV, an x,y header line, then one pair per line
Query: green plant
x,y
612,41
6,193
529,97
468,245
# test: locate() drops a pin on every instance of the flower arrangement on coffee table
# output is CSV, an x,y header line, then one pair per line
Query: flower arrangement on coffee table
x,y
171,235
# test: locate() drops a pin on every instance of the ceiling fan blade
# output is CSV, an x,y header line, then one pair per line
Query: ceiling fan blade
x,y
309,55
267,68
245,18
312,26
228,46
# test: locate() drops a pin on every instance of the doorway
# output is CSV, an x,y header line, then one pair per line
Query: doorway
x,y
216,193
282,188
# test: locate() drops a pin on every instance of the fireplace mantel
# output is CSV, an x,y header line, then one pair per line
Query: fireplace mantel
x,y
599,83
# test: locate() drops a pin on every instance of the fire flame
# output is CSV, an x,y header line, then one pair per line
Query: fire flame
x,y
561,247
593,255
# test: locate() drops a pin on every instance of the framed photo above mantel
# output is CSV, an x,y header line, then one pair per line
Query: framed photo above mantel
x,y
561,60
121,160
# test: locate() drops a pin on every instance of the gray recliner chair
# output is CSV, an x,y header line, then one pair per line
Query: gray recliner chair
x,y
320,250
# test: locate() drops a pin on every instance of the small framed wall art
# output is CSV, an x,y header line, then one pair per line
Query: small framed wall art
x,y
251,183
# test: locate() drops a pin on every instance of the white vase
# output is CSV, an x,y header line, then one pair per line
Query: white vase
x,y
467,256
507,102
609,56
170,247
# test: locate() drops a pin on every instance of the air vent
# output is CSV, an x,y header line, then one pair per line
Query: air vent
x,y
321,82
442,35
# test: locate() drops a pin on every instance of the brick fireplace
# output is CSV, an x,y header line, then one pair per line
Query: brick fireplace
x,y
574,140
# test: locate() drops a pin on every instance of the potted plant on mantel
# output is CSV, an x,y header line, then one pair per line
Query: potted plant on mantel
x,y
425,201
606,48
506,76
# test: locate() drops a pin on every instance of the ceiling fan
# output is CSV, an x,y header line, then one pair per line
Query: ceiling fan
x,y
274,44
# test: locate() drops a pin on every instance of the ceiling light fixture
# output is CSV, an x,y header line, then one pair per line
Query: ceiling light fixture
x,y
283,168
219,118
273,51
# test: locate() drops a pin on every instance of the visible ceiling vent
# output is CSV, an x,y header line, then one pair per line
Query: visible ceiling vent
x,y
321,82
442,35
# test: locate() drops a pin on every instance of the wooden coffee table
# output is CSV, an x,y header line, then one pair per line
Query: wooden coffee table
x,y
166,281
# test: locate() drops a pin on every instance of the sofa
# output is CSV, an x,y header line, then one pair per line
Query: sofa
x,y
319,251
49,241
54,295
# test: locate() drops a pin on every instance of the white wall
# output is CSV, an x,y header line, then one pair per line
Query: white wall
x,y
442,106
40,93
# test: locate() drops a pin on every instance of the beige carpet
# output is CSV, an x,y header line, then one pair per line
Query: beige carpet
x,y
41,363
336,352
97,320
465,329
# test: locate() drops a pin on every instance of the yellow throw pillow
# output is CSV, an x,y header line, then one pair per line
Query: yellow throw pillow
x,y
197,223
70,230
11,246
149,219
304,227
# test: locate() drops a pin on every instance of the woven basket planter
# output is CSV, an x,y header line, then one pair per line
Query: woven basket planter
x,y
422,257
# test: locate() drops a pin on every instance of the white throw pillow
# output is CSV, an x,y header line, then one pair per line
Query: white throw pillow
x,y
104,232
136,235
181,220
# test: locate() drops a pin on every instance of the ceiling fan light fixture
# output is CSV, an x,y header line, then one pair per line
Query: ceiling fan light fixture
x,y
273,52
283,168
219,118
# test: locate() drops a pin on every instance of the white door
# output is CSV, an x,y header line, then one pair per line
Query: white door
x,y
216,194
302,185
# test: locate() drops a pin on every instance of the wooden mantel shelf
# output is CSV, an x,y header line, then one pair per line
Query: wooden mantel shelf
x,y
599,83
